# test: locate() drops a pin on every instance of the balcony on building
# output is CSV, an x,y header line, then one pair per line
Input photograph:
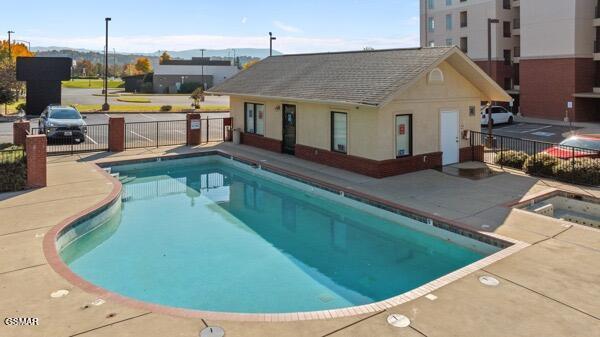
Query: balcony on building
x,y
516,26
596,21
516,3
517,54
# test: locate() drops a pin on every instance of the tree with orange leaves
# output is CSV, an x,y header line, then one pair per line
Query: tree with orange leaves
x,y
16,50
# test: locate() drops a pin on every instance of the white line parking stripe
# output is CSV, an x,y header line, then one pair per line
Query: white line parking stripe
x,y
137,134
91,139
183,133
149,117
537,129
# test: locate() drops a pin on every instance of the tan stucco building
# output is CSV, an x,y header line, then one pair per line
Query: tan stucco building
x,y
378,113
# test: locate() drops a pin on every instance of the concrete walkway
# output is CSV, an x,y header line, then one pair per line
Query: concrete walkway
x,y
548,289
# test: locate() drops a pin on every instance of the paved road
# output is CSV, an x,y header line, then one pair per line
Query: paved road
x,y
86,97
538,132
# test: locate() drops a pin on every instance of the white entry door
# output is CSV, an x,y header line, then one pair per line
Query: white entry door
x,y
449,137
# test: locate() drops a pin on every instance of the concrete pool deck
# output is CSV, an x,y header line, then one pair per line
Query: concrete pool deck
x,y
550,288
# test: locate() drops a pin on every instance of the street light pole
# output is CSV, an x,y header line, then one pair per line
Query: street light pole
x,y
105,106
489,71
9,46
203,81
271,39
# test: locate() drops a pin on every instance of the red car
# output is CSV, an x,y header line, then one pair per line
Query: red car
x,y
576,147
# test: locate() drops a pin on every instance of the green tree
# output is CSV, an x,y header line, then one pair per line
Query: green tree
x,y
164,57
9,86
197,96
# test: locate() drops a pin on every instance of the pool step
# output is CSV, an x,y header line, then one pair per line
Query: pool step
x,y
126,179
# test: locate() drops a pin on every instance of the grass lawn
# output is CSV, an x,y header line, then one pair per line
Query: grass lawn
x,y
91,84
148,108
134,100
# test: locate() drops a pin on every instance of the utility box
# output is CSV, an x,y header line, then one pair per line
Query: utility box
x,y
43,76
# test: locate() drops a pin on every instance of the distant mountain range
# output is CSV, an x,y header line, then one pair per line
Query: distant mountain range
x,y
182,54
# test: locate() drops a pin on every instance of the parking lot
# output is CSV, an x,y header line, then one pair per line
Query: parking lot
x,y
533,131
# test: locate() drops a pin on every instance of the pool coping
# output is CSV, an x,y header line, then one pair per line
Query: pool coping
x,y
508,247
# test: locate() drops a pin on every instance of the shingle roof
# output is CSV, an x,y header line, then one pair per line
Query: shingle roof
x,y
364,77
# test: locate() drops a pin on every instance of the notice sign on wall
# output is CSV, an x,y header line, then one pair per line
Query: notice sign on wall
x,y
195,124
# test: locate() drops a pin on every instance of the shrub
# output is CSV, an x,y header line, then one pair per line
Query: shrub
x,y
189,87
514,159
13,167
540,164
584,171
166,108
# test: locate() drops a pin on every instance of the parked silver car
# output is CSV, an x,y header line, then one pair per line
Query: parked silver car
x,y
62,123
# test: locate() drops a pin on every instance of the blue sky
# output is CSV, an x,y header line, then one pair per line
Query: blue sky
x,y
146,26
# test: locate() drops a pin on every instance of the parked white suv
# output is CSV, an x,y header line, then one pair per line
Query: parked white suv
x,y
499,115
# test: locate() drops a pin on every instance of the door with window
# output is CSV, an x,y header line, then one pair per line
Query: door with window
x,y
449,137
289,128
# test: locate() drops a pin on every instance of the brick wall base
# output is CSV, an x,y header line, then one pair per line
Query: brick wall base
x,y
369,167
116,134
20,132
471,153
548,84
35,147
264,143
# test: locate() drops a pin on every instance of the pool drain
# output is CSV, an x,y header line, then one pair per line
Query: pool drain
x,y
489,281
212,331
59,293
398,321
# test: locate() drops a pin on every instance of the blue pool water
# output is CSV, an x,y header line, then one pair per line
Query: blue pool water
x,y
205,234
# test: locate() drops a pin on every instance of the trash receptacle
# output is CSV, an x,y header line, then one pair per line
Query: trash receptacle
x,y
236,136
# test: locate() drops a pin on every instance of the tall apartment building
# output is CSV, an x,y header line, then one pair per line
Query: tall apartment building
x,y
545,53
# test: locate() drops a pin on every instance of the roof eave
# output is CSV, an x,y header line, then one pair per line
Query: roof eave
x,y
295,99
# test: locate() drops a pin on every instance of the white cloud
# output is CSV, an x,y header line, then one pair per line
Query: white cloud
x,y
285,44
286,27
244,20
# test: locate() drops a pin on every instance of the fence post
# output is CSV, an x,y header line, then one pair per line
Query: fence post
x,y
157,134
20,132
193,129
572,164
501,152
227,126
35,150
116,134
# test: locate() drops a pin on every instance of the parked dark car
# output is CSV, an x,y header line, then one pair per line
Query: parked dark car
x,y
62,123
576,147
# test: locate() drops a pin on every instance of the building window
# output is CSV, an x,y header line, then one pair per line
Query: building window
x,y
254,118
431,44
506,4
507,57
507,83
448,2
464,20
448,21
430,24
430,4
339,132
506,28
464,44
403,135
449,42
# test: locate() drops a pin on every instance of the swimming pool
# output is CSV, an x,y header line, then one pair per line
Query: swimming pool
x,y
213,234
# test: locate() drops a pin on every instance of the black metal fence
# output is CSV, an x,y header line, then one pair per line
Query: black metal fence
x,y
155,134
65,140
95,138
13,168
566,163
